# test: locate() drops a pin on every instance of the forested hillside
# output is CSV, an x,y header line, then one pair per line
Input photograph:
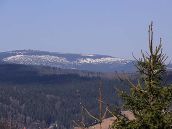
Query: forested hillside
x,y
33,98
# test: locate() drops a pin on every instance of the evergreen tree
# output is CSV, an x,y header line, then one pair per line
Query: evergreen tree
x,y
150,99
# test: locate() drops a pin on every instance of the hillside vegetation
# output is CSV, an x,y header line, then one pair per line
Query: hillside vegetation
x,y
34,96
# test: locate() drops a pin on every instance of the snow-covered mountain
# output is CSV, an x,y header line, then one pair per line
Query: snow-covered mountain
x,y
90,62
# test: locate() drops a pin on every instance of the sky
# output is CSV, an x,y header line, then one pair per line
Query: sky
x,y
110,27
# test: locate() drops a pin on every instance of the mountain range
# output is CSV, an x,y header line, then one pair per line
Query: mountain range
x,y
89,62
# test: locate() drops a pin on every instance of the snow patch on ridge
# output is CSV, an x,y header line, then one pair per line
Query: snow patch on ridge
x,y
106,60
81,61
35,59
89,55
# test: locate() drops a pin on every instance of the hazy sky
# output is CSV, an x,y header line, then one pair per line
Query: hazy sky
x,y
112,27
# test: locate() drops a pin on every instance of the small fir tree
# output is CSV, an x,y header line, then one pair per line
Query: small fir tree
x,y
149,100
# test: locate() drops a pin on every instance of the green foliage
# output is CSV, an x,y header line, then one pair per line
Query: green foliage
x,y
149,100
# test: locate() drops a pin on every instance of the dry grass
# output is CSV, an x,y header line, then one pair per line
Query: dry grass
x,y
106,123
